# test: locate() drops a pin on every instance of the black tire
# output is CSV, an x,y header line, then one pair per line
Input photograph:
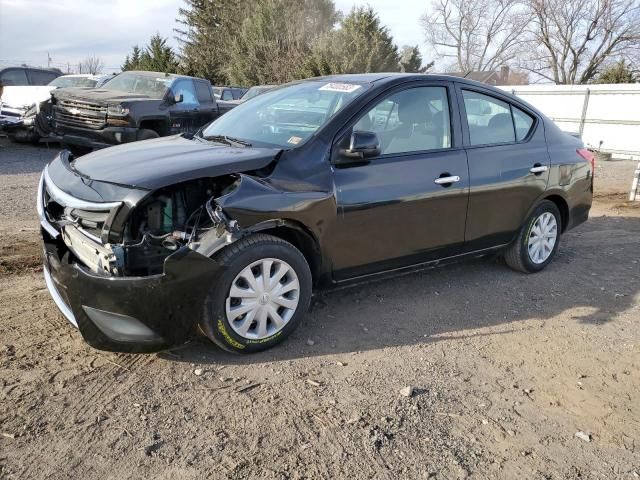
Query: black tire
x,y
146,134
235,258
77,150
517,254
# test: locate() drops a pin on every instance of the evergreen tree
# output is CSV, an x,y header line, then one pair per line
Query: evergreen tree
x,y
158,56
411,60
361,44
132,62
207,29
276,38
621,72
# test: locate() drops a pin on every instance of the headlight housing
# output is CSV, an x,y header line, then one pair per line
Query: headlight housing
x,y
117,110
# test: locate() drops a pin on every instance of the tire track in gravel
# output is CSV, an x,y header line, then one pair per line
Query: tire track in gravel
x,y
129,363
86,417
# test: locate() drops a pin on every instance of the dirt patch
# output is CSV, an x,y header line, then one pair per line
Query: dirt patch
x,y
20,254
506,369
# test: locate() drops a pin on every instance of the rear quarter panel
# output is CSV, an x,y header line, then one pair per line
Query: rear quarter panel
x,y
570,175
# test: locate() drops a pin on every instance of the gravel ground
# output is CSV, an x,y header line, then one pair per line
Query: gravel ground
x,y
506,369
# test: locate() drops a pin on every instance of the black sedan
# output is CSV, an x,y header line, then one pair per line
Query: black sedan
x,y
316,184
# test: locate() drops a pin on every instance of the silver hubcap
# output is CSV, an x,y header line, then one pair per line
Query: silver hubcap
x,y
542,238
262,299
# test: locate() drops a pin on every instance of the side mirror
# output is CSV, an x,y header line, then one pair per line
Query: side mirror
x,y
178,98
362,145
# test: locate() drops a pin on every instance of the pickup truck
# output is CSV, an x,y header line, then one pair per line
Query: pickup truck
x,y
131,106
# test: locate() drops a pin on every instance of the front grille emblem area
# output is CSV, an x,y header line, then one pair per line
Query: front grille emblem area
x,y
74,111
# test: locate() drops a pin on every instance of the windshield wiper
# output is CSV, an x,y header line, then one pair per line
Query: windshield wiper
x,y
231,141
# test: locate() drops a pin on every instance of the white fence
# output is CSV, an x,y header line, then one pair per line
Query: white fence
x,y
606,116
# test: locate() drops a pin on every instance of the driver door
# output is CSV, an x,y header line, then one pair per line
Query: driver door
x,y
394,210
185,115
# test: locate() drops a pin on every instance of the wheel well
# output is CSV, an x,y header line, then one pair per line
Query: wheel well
x,y
159,126
304,242
561,203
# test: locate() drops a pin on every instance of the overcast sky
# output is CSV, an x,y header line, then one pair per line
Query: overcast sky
x,y
70,30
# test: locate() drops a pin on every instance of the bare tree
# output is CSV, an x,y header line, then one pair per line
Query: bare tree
x,y
476,35
91,65
574,39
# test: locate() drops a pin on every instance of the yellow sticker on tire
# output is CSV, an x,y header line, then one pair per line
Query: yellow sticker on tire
x,y
227,337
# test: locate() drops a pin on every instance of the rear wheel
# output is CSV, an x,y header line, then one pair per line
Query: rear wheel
x,y
260,298
537,241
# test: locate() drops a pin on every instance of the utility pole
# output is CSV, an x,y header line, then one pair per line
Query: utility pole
x,y
48,60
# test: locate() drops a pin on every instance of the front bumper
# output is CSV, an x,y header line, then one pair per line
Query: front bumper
x,y
127,314
103,138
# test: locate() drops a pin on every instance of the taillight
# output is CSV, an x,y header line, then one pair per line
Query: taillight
x,y
589,157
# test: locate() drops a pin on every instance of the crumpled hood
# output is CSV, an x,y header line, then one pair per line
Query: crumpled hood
x,y
160,162
99,95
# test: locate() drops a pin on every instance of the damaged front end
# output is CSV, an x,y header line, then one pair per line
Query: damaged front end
x,y
132,274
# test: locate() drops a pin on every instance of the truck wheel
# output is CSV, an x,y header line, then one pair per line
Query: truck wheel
x,y
260,298
537,241
146,134
76,150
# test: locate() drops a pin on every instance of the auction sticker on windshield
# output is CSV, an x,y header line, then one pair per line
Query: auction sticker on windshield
x,y
340,87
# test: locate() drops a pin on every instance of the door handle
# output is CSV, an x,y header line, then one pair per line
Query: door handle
x,y
538,169
447,180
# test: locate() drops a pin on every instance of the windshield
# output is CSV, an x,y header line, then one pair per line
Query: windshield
x,y
288,116
130,82
63,82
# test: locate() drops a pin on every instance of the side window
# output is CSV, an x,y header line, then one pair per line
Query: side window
x,y
412,120
14,77
523,123
204,92
184,87
39,77
489,119
227,95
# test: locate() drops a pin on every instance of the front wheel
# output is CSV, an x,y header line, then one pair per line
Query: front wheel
x,y
260,298
146,134
537,241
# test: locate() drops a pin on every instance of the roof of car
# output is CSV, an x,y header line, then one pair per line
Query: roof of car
x,y
145,73
385,77
27,67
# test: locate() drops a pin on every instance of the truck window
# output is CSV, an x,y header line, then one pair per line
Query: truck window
x,y
204,92
184,87
14,77
41,77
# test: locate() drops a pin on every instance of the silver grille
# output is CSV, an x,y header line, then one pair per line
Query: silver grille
x,y
60,208
74,113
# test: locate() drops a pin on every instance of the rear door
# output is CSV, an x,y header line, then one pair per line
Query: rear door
x,y
184,116
508,165
208,109
398,209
